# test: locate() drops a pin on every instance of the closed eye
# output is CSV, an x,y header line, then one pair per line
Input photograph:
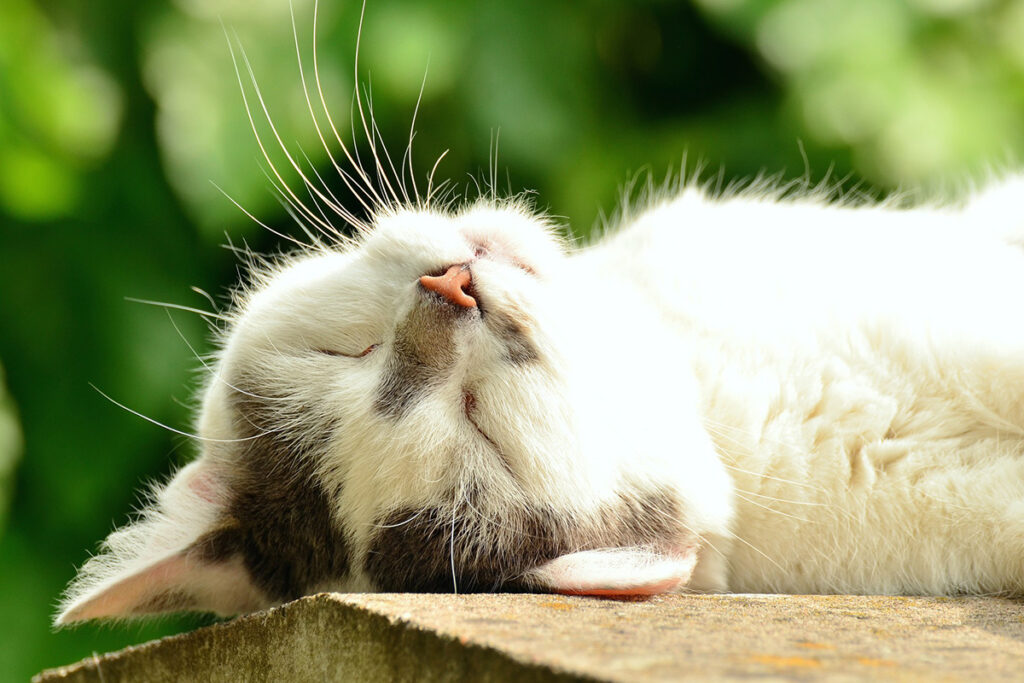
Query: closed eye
x,y
365,352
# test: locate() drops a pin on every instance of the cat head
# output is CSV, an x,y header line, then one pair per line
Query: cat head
x,y
398,414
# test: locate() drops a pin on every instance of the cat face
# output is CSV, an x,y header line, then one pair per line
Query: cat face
x,y
388,395
394,414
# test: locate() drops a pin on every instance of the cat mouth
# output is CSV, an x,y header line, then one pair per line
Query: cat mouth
x,y
468,409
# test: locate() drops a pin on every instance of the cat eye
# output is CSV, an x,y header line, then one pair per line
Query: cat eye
x,y
365,352
482,249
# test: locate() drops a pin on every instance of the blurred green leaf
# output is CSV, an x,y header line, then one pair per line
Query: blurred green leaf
x,y
920,92
117,119
58,111
10,448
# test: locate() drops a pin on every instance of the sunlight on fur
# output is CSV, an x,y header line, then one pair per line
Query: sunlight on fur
x,y
765,389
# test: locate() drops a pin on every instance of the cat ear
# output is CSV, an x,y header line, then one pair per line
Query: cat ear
x,y
178,556
619,572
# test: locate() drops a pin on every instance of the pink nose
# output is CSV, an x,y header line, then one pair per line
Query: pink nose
x,y
451,286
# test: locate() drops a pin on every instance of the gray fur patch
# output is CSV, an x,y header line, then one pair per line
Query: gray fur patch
x,y
519,348
414,549
424,351
279,519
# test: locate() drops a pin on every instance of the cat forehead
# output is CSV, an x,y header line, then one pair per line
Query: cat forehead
x,y
401,245
482,223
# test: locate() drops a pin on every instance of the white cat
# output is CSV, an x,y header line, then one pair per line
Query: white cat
x,y
744,393
740,393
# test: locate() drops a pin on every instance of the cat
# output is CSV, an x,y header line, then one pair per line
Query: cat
x,y
725,394
756,391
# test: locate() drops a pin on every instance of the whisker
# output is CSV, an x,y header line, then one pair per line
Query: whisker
x,y
493,164
350,217
430,178
757,550
356,190
172,429
451,544
266,227
398,524
778,479
284,148
359,107
206,295
771,509
808,503
216,373
412,131
190,309
293,211
356,163
377,137
270,122
476,184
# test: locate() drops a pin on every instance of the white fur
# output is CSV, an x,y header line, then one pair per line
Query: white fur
x,y
836,393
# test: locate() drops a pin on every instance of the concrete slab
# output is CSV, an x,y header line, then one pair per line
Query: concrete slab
x,y
382,637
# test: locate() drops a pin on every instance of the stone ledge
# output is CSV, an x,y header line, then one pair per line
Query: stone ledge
x,y
383,637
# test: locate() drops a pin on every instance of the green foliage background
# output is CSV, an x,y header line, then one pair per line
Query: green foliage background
x,y
120,119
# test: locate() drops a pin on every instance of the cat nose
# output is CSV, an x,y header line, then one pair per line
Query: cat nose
x,y
452,286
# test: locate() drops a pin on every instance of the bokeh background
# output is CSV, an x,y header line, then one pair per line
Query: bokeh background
x,y
121,121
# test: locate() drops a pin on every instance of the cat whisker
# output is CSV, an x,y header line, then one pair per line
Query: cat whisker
x,y
476,184
492,165
371,140
283,185
287,238
771,509
169,428
719,429
412,133
451,540
206,295
334,233
496,523
291,207
367,189
807,503
356,190
338,234
431,189
180,307
757,550
399,181
213,372
704,540
781,480
398,524
324,225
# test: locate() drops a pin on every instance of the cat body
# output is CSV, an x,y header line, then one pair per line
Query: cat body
x,y
860,374
745,393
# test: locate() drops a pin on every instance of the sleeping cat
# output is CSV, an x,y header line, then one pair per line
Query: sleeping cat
x,y
751,392
724,394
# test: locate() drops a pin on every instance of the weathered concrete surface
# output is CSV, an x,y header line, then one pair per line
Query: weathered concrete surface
x,y
543,637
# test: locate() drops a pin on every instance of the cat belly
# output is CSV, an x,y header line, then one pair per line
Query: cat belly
x,y
859,472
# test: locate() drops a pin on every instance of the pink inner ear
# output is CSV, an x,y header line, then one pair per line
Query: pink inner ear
x,y
615,573
666,586
205,484
121,598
